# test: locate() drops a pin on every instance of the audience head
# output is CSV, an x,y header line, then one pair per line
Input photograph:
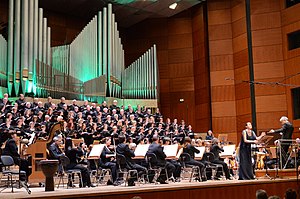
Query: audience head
x,y
274,197
261,194
290,194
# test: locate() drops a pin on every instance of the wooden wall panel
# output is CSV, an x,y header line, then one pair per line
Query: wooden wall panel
x,y
269,70
217,17
224,124
220,47
267,37
180,55
243,107
164,85
182,84
265,6
222,31
219,5
239,43
180,41
269,120
271,103
225,108
218,78
242,90
200,69
201,72
221,62
179,26
266,20
238,27
202,110
262,89
199,51
267,53
290,15
240,59
223,93
238,11
181,70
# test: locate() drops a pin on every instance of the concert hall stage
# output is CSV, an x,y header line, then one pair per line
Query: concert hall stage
x,y
233,189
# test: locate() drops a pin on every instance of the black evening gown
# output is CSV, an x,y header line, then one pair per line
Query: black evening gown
x,y
245,168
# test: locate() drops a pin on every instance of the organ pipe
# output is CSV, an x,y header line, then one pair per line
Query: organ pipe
x,y
16,71
10,47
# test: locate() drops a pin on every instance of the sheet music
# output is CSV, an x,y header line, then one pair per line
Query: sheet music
x,y
198,156
228,150
31,138
141,150
96,151
171,150
179,153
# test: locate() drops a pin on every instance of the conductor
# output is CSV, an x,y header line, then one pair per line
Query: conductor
x,y
286,132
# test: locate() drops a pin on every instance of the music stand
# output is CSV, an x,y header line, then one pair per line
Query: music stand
x,y
199,156
140,151
96,151
265,141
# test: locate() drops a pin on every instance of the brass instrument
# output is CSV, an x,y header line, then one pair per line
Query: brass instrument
x,y
38,151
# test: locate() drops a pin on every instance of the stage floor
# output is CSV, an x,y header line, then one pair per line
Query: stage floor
x,y
210,189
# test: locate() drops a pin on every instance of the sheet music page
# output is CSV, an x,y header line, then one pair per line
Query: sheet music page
x,y
141,150
171,150
228,150
200,155
96,150
179,153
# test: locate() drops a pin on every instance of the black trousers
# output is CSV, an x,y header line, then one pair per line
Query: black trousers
x,y
24,166
225,167
200,165
86,179
170,170
113,167
177,165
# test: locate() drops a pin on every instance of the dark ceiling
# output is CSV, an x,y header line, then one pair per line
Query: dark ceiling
x,y
128,12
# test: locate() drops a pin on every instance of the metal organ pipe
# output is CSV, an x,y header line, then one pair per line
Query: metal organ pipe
x,y
31,38
16,71
99,42
10,47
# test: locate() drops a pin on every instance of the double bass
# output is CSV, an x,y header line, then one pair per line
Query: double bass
x,y
38,151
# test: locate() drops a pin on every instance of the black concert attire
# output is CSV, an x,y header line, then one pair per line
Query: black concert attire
x,y
209,137
106,162
157,149
216,150
286,130
73,154
123,149
11,149
246,166
191,150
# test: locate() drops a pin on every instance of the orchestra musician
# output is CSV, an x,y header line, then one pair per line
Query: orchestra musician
x,y
209,135
123,149
177,172
73,153
11,149
216,150
157,149
107,160
191,150
54,149
246,166
286,132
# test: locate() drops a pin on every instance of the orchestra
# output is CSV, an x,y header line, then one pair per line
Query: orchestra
x,y
122,131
